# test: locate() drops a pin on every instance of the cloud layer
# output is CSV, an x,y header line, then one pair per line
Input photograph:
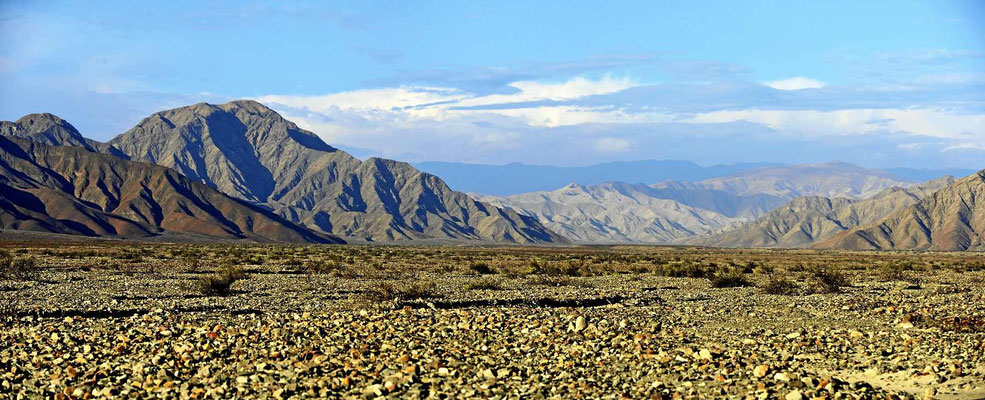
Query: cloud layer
x,y
583,120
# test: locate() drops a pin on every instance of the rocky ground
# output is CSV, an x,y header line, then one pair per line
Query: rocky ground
x,y
445,322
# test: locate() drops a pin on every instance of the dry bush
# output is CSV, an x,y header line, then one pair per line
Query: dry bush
x,y
729,280
776,284
322,267
481,268
17,268
386,291
221,281
555,281
484,284
826,280
682,270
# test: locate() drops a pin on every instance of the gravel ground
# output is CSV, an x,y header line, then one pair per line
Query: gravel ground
x,y
119,326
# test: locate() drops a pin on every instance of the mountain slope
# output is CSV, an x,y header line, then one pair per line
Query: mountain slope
x,y
50,129
805,220
952,218
250,152
615,213
68,189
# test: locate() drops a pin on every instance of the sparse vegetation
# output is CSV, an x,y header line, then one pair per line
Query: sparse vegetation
x,y
17,268
221,281
823,280
386,291
776,284
465,309
484,284
729,280
481,268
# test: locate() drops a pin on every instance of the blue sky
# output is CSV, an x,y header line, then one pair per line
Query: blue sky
x,y
568,83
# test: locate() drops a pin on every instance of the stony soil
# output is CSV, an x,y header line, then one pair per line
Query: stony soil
x,y
125,325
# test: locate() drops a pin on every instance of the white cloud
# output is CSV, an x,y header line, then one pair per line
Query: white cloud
x,y
929,122
574,88
795,83
612,145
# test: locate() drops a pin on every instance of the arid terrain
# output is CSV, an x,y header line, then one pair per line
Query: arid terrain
x,y
221,321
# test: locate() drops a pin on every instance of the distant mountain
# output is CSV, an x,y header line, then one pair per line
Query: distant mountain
x,y
516,178
806,220
50,129
250,152
614,213
952,218
924,174
835,179
675,211
73,190
723,201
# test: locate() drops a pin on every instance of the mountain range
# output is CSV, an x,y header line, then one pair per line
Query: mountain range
x,y
240,171
517,178
673,212
251,154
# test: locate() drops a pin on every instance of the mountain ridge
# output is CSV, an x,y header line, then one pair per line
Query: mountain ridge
x,y
70,189
249,151
950,219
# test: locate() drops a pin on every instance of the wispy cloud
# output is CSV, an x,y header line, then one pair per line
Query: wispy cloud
x,y
795,83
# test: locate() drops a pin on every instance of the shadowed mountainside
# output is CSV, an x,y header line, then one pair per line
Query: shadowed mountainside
x,y
72,190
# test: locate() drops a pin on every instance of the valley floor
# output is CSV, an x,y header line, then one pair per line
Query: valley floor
x,y
155,320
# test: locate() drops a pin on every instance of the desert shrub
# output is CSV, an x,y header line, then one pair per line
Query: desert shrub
x,y
321,266
776,284
221,281
683,270
17,268
555,281
484,284
570,268
826,280
729,280
386,291
481,268
5,259
515,272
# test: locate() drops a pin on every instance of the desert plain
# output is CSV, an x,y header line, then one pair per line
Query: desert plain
x,y
150,320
